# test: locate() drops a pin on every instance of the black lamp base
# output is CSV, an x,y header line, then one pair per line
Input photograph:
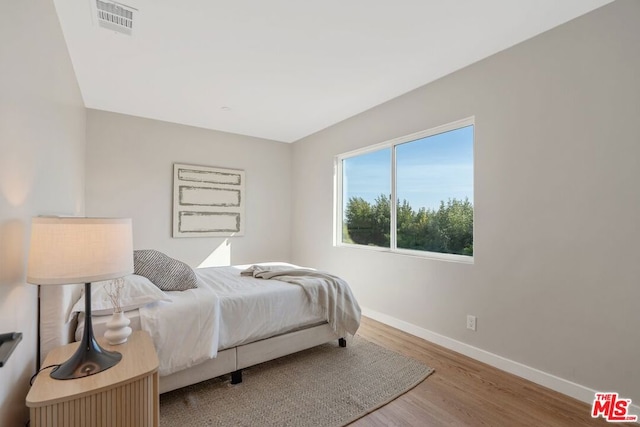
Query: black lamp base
x,y
89,358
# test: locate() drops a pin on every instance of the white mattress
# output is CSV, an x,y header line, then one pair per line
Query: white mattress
x,y
251,309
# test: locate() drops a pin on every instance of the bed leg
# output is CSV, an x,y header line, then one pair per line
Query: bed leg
x,y
342,342
236,377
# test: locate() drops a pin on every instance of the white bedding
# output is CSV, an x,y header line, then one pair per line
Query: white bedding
x,y
249,309
253,308
184,331
329,295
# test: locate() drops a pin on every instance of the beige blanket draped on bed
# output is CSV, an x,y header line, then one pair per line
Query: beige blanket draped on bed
x,y
329,295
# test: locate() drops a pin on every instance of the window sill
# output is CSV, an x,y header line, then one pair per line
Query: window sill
x,y
461,259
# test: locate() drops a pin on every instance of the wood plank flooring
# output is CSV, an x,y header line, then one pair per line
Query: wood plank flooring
x,y
465,392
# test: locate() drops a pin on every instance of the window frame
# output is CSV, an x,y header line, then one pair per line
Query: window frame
x,y
339,191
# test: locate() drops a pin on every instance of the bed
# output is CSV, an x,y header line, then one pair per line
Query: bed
x,y
234,321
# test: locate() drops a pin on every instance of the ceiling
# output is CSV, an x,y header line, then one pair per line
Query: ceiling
x,y
284,69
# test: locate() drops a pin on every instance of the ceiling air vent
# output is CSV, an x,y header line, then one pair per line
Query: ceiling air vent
x,y
114,16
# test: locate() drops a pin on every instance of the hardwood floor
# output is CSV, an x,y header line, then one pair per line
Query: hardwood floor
x,y
465,392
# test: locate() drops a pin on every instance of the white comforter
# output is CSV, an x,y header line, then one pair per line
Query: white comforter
x,y
329,295
191,328
185,331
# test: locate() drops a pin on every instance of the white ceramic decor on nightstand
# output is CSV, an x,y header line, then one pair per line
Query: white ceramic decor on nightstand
x,y
118,329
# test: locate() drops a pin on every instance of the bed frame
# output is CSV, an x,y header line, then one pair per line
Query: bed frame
x,y
57,329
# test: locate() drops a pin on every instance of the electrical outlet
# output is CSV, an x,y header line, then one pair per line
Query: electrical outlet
x,y
471,322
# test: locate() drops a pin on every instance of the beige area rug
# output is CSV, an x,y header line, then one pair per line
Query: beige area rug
x,y
326,386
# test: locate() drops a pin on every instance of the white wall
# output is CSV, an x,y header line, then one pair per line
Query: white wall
x,y
130,173
555,283
42,134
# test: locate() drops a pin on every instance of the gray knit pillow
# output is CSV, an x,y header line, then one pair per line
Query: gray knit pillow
x,y
166,273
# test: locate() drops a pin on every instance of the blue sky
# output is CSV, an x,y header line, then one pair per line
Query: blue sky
x,y
431,169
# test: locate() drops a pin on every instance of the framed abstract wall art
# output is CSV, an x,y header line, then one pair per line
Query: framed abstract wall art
x,y
207,201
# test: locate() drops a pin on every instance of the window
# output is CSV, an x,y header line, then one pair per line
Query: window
x,y
413,194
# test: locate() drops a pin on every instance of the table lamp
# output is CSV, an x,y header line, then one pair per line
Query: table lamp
x,y
81,250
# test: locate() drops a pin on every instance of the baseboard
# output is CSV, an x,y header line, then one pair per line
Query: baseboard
x,y
577,391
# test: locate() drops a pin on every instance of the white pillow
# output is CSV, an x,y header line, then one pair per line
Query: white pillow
x,y
137,292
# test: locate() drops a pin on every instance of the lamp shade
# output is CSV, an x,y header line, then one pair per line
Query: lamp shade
x,y
79,250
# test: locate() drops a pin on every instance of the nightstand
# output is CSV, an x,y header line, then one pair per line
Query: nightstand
x,y
125,395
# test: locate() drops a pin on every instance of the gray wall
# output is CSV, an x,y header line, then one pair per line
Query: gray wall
x,y
555,278
42,134
130,173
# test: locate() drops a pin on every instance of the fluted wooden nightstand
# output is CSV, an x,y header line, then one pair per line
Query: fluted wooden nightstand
x,y
125,395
